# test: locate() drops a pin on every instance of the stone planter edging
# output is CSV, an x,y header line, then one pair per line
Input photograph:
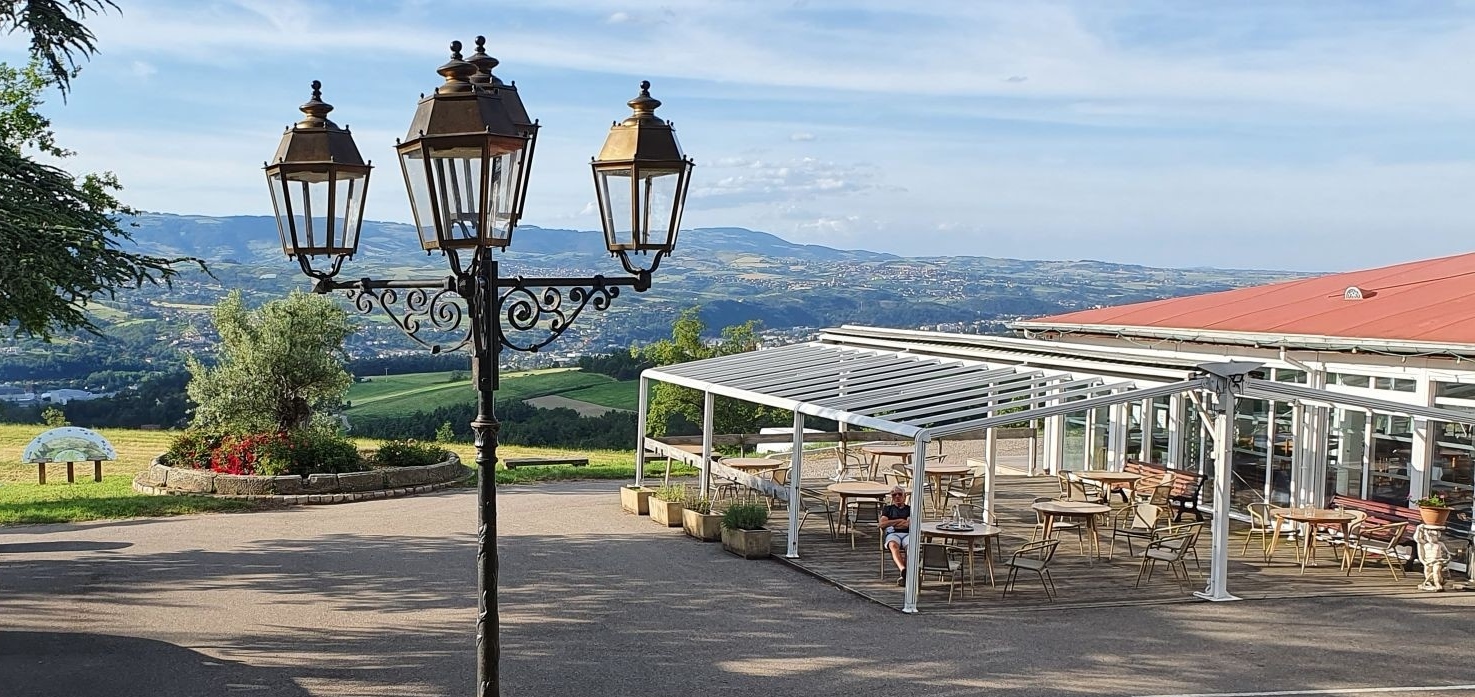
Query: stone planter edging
x,y
162,480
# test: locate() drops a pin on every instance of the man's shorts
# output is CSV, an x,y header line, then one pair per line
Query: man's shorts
x,y
899,537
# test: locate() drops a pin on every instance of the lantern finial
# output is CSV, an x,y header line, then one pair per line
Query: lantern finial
x,y
457,72
644,104
484,65
316,110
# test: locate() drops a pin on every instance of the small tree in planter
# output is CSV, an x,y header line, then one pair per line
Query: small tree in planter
x,y
635,499
743,533
698,520
1433,509
665,507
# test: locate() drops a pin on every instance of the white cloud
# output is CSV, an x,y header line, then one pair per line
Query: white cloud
x,y
801,137
618,18
142,69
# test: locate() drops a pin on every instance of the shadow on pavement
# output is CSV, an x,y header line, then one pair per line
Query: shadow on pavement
x,y
65,664
61,546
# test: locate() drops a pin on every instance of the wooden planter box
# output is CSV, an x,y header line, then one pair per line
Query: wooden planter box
x,y
706,527
667,513
635,499
748,544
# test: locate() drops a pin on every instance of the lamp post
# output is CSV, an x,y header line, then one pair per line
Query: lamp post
x,y
466,161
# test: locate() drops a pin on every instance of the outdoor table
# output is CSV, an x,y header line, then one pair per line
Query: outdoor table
x,y
1111,480
876,451
981,532
857,490
1309,518
936,472
752,465
1050,510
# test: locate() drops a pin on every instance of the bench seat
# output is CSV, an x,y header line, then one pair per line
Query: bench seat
x,y
1187,487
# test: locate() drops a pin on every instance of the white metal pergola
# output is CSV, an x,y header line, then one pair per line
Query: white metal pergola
x,y
925,397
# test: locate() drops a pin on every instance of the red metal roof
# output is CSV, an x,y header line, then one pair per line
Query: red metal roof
x,y
1432,300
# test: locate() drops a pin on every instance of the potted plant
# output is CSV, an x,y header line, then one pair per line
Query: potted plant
x,y
665,505
698,520
743,533
1433,509
635,499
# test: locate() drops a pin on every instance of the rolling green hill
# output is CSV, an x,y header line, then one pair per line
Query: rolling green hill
x,y
613,394
399,395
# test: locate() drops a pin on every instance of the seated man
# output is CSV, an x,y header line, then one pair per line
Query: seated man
x,y
896,520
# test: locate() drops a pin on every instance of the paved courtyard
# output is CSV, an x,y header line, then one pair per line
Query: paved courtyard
x,y
377,598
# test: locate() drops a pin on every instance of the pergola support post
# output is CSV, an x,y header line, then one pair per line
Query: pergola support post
x,y
708,403
796,461
1227,381
641,427
919,509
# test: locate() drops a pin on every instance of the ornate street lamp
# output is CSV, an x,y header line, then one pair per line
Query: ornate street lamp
x,y
465,162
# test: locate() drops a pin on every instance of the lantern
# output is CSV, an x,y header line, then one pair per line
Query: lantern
x,y
318,182
461,162
640,179
517,113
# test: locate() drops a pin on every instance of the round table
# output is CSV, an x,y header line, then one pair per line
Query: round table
x,y
880,450
752,465
1051,510
857,490
936,472
1111,480
981,532
1309,517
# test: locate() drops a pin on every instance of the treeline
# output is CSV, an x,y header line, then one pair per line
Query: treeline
x,y
522,424
621,365
409,363
157,401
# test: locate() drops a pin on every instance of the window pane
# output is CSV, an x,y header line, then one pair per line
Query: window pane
x,y
1388,475
1458,390
1346,447
1290,375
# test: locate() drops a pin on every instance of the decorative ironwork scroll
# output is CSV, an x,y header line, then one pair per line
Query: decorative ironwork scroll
x,y
436,310
553,309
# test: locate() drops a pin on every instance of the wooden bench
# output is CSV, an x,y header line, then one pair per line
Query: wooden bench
x,y
1186,487
516,462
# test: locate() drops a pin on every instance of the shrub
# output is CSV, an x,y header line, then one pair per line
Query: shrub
x,y
192,449
745,516
671,493
302,452
408,453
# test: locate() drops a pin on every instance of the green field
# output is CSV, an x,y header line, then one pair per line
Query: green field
x,y
397,395
616,395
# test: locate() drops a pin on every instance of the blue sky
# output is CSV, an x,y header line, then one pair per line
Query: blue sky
x,y
1315,135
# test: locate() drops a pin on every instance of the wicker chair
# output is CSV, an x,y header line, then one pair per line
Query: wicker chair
x,y
1378,540
1032,556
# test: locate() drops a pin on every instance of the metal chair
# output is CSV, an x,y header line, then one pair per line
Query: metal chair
x,y
1378,540
967,491
1170,549
866,513
943,559
1032,556
1140,521
813,503
1262,524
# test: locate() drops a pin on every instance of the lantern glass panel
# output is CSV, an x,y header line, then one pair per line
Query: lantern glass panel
x,y
422,206
615,198
281,207
349,189
505,180
657,189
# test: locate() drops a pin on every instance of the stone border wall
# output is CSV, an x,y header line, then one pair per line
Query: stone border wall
x,y
161,480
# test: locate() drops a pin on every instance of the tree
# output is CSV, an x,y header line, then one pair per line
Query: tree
x,y
277,367
59,233
671,404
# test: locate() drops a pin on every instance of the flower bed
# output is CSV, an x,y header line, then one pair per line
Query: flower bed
x,y
339,487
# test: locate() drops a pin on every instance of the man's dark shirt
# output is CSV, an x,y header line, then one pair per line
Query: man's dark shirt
x,y
895,512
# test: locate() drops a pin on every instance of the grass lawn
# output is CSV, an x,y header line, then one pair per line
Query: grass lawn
x,y
22,500
616,395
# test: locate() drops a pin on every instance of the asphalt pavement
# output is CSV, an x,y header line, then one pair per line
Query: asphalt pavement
x,y
378,598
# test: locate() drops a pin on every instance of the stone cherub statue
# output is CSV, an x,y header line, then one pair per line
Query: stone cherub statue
x,y
1433,554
